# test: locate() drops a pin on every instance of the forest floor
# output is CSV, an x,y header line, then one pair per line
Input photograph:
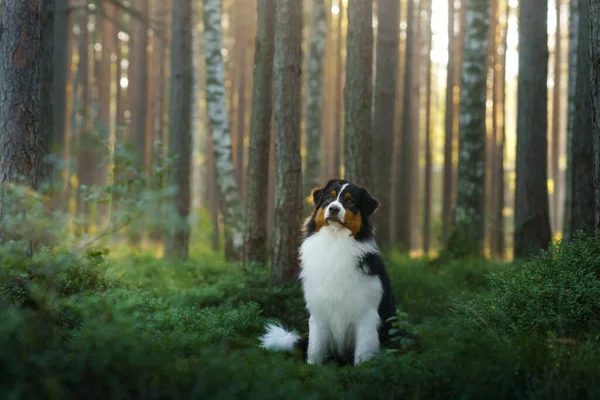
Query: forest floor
x,y
132,326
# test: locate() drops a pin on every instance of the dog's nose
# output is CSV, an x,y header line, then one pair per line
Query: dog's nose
x,y
334,210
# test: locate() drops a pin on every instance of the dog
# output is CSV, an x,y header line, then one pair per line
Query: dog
x,y
346,287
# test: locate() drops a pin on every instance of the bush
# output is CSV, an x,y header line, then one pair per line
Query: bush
x,y
557,291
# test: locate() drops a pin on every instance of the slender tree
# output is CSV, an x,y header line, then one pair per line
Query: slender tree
x,y
468,222
532,221
314,101
255,237
406,174
338,89
581,153
594,52
288,181
180,137
556,122
61,64
428,145
219,127
384,98
46,143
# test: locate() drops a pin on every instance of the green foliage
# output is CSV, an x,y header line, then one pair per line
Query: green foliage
x,y
556,291
94,325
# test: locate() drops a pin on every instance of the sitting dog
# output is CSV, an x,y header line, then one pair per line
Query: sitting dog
x,y
346,287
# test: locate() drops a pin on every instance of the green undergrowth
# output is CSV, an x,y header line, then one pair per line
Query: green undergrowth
x,y
112,325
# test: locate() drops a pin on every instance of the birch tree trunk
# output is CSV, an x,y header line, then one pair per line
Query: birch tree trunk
x,y
384,114
358,93
594,53
581,153
219,125
532,221
468,222
177,234
287,86
314,101
255,234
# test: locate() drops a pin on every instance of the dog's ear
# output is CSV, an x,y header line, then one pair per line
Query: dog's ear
x,y
368,203
316,196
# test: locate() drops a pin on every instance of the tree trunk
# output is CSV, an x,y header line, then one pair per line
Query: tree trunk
x,y
468,222
219,126
428,149
338,89
406,174
141,95
384,98
449,123
61,65
594,53
581,154
21,144
314,101
288,181
555,133
532,220
255,238
46,146
180,136
358,93
573,48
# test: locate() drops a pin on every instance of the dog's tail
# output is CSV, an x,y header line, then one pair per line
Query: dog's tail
x,y
276,338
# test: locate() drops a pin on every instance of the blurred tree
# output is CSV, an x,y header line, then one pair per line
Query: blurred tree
x,y
336,156
219,128
556,122
406,174
468,224
177,235
255,237
428,132
314,101
594,52
288,180
384,114
581,149
532,221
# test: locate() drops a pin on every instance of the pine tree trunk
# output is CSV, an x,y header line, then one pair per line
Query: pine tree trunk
x,y
555,133
594,52
20,107
255,238
449,123
532,220
582,146
314,101
468,222
573,48
358,93
406,174
338,89
428,148
219,126
46,146
288,181
180,137
61,65
384,98
141,95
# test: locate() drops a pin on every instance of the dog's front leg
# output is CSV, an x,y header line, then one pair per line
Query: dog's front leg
x,y
367,338
318,340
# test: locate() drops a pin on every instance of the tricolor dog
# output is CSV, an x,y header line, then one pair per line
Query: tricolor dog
x,y
346,287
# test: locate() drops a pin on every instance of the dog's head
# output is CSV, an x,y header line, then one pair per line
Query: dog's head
x,y
342,204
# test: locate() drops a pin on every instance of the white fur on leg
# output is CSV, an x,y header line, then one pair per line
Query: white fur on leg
x,y
318,341
367,339
278,339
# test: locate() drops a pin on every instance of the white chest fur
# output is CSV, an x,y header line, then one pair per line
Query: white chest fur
x,y
341,298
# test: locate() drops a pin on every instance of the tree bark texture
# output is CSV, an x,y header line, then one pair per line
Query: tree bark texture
x,y
384,114
21,144
468,222
219,125
532,221
582,146
314,101
255,234
594,54
288,181
180,136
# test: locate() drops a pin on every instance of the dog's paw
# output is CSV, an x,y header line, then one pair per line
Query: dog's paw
x,y
363,357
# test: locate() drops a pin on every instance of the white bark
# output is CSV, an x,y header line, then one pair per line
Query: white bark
x,y
219,125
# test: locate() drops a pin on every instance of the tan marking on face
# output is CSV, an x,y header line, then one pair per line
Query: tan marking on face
x,y
348,196
353,221
319,219
333,193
